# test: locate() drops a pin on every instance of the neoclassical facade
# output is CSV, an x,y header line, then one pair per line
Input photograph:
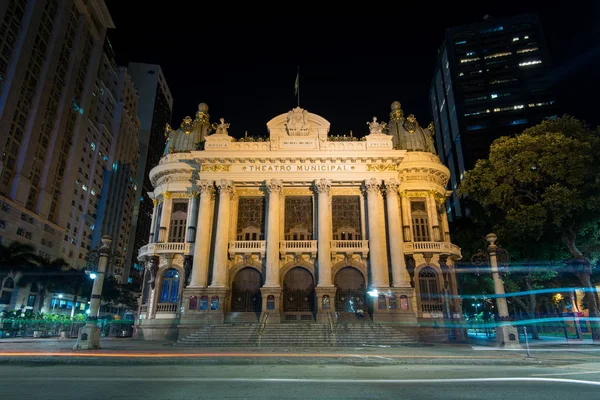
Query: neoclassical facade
x,y
298,226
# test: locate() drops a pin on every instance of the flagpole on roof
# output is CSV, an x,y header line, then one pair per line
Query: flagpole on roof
x,y
298,86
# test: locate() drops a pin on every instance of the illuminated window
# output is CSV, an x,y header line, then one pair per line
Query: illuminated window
x,y
494,95
515,39
527,63
528,50
468,60
496,55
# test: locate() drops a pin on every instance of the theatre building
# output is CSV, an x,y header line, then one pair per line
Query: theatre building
x,y
298,227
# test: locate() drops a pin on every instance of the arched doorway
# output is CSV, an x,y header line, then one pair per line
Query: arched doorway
x,y
245,291
351,290
298,295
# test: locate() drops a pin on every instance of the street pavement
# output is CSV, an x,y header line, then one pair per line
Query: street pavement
x,y
476,351
331,381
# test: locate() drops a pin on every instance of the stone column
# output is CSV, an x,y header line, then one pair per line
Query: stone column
x,y
445,227
433,216
506,334
406,222
400,277
322,187
377,263
89,335
272,288
151,238
235,202
202,242
165,218
226,190
192,217
275,190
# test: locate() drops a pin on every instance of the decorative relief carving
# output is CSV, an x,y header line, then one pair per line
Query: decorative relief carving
x,y
180,195
297,122
225,186
274,186
322,185
371,185
410,124
382,167
346,191
299,214
297,192
345,212
206,187
392,185
215,168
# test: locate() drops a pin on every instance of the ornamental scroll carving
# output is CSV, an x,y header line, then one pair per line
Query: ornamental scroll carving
x,y
371,185
382,167
392,185
274,186
225,186
206,187
322,185
215,168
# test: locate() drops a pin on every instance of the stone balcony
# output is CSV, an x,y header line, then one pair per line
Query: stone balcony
x,y
350,247
154,249
298,247
445,248
247,247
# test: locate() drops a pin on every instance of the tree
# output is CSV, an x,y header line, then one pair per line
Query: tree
x,y
545,183
17,255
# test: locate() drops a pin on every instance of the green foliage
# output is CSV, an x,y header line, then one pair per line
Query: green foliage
x,y
17,255
545,182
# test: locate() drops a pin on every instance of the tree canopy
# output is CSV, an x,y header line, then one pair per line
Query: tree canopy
x,y
542,189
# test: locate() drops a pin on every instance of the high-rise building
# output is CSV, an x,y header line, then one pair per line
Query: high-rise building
x,y
154,111
490,80
51,51
105,188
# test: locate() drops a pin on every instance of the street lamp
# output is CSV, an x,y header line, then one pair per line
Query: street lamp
x,y
506,333
89,335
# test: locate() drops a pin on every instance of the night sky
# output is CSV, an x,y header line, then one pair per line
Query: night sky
x,y
353,62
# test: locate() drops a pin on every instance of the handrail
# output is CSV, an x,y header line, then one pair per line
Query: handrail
x,y
331,327
263,323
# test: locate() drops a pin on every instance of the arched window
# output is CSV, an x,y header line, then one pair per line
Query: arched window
x,y
7,290
429,290
169,290
34,288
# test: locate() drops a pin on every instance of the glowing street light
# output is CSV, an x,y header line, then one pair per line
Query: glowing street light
x,y
93,275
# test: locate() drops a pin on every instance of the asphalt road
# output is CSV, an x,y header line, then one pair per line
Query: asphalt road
x,y
88,382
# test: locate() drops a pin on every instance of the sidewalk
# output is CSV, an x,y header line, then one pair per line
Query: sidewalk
x,y
128,351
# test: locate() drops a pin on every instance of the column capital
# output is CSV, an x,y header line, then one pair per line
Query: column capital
x,y
322,185
194,194
274,186
155,202
167,195
392,186
371,185
206,187
226,186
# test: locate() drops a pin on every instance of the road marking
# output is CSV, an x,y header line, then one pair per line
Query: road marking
x,y
223,355
568,373
482,348
295,380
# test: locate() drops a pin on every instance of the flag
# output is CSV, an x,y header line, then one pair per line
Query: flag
x,y
297,84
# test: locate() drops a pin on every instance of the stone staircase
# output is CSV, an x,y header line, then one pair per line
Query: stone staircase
x,y
300,335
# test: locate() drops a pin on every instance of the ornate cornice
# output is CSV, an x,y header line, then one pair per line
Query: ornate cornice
x,y
322,185
274,186
337,191
171,175
249,193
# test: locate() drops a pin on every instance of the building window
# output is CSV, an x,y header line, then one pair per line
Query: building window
x,y
31,300
178,223
169,291
420,221
429,291
7,290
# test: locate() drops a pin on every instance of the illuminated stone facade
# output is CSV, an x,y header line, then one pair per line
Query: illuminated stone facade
x,y
298,226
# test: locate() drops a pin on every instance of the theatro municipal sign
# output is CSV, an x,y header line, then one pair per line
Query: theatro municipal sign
x,y
298,168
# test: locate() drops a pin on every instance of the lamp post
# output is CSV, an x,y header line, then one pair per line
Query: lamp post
x,y
506,334
89,334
